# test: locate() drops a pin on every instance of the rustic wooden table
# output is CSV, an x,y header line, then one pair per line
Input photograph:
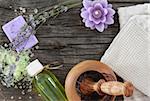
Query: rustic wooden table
x,y
64,39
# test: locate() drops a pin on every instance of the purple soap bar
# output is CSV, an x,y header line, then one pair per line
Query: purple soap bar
x,y
13,27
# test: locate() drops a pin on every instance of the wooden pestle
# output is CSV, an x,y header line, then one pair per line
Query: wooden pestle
x,y
114,88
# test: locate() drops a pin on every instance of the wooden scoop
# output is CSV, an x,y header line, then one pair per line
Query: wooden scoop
x,y
88,86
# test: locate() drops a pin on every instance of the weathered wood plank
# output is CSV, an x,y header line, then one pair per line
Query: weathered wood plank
x,y
74,59
7,93
45,3
75,51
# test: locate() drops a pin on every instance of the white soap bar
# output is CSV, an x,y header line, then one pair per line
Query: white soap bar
x,y
34,68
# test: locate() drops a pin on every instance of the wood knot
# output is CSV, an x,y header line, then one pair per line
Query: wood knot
x,y
57,45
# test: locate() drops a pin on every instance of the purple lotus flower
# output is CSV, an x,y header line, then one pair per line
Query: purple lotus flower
x,y
97,14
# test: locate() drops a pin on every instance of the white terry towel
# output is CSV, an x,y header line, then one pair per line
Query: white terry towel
x,y
125,13
129,53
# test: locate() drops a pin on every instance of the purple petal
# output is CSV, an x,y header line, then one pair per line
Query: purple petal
x,y
96,21
91,17
104,3
83,20
89,23
98,6
83,9
100,27
103,19
105,11
111,11
90,9
109,20
87,3
93,27
110,5
84,14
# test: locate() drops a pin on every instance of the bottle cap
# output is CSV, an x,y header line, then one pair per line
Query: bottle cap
x,y
34,68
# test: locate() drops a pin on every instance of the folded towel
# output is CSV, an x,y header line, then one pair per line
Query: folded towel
x,y
129,53
125,13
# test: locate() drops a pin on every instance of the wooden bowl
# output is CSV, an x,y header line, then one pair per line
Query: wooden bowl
x,y
107,86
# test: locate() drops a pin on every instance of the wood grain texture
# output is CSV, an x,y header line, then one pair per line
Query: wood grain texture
x,y
64,39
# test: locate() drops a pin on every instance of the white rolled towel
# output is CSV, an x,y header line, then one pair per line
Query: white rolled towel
x,y
125,13
129,53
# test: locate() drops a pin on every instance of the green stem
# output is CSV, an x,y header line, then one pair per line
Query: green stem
x,y
74,5
67,4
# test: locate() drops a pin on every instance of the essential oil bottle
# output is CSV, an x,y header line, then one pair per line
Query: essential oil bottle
x,y
45,82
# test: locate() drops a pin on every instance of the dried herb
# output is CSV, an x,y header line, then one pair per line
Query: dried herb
x,y
13,67
34,21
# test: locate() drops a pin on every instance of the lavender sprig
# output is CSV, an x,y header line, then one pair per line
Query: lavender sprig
x,y
22,37
52,12
37,19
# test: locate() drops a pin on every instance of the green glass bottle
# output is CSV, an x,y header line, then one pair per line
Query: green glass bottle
x,y
46,83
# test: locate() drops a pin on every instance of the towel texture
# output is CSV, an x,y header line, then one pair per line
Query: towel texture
x,y
125,13
137,96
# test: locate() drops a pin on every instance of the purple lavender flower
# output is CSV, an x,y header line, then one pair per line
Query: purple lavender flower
x,y
97,14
